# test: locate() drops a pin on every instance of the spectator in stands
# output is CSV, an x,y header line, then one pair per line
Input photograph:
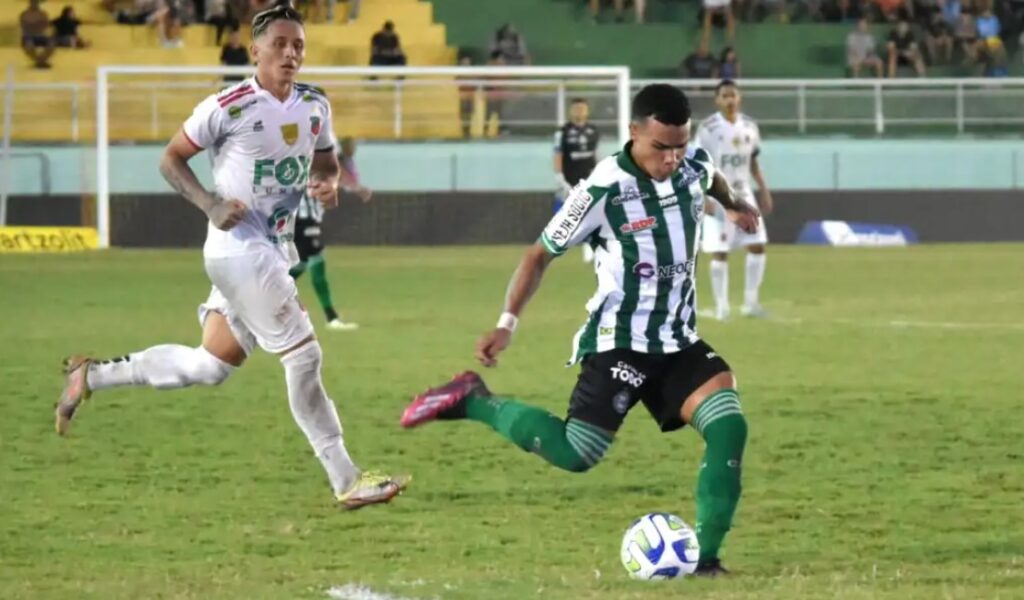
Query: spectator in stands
x,y
992,55
219,14
903,50
511,44
723,8
141,12
595,10
729,64
65,29
34,40
988,25
386,48
966,36
700,64
167,20
234,54
939,40
861,50
494,96
467,99
891,10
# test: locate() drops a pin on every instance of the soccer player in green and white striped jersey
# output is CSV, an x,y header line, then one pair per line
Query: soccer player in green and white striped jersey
x,y
641,211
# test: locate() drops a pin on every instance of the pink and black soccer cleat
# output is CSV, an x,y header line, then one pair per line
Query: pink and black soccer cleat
x,y
445,402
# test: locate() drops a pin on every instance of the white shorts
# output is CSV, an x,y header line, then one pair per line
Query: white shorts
x,y
259,299
719,234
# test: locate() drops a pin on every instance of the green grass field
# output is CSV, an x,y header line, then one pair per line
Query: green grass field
x,y
885,458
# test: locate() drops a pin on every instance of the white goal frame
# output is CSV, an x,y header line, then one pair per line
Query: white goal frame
x,y
621,75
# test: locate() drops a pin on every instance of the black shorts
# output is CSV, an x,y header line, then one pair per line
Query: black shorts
x,y
610,383
307,238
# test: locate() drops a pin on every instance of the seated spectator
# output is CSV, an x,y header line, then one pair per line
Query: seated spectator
x,y
220,16
167,21
729,64
986,22
966,37
467,99
951,10
723,9
992,54
141,12
65,29
234,54
903,50
699,64
34,40
385,47
511,44
495,96
861,50
939,40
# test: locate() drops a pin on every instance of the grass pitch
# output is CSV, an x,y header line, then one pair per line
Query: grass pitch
x,y
885,458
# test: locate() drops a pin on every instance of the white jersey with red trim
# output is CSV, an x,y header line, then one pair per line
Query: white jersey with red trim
x,y
261,149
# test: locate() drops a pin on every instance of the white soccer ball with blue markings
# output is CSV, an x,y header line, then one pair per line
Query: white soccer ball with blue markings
x,y
660,546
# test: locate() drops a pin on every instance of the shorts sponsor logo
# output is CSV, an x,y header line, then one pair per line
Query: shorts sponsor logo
x,y
646,270
622,401
627,373
639,225
572,214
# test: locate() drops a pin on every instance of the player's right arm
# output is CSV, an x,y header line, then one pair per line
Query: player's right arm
x,y
575,222
200,131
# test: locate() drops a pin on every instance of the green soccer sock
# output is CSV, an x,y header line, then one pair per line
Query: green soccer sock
x,y
571,445
318,273
720,422
298,269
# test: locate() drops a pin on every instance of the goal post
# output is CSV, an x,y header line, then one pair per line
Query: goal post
x,y
142,107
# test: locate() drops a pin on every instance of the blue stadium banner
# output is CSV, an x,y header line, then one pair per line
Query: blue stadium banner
x,y
845,233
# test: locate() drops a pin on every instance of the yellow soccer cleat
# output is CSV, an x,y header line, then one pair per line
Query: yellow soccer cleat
x,y
373,487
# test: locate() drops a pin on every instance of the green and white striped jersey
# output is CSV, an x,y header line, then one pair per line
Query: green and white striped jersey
x,y
645,238
310,209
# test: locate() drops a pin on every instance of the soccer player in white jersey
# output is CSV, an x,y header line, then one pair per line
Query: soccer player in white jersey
x,y
270,141
734,140
641,209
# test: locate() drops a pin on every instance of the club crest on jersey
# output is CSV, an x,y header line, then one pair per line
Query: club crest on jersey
x,y
290,133
639,225
314,125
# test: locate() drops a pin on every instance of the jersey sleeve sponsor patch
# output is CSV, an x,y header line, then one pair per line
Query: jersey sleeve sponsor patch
x,y
574,222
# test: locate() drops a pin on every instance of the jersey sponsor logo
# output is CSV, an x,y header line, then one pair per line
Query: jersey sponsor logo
x,y
629,195
734,161
646,270
602,331
639,225
290,172
235,110
314,125
627,373
572,214
290,133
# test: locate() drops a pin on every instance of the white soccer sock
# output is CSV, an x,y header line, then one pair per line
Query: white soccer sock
x,y
755,275
164,367
720,283
316,415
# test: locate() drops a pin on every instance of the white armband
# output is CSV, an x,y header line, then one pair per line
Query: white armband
x,y
508,321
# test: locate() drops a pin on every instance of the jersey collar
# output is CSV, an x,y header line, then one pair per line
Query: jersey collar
x,y
264,92
625,162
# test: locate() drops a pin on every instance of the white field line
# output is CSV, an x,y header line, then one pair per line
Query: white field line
x,y
352,591
900,323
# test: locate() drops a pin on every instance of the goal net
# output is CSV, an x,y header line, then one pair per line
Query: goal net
x,y
431,141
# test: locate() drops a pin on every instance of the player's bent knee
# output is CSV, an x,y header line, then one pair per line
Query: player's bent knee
x,y
210,370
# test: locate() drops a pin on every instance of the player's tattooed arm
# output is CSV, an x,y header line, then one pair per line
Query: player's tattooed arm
x,y
174,167
739,212
524,284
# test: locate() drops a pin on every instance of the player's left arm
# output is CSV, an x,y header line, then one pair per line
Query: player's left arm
x,y
715,185
764,200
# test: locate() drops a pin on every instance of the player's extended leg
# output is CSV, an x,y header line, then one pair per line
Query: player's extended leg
x,y
713,409
756,262
569,444
167,366
318,277
720,284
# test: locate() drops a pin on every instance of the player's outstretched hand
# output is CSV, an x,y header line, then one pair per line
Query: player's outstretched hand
x,y
225,215
324,191
491,345
745,217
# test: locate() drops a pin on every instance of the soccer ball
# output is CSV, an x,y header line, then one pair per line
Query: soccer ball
x,y
659,546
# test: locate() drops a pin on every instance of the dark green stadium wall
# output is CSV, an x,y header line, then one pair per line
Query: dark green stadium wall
x,y
559,32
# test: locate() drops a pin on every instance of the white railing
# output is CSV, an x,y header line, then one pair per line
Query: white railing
x,y
865,106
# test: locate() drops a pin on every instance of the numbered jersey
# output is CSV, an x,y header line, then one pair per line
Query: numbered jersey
x,y
644,235
261,149
732,146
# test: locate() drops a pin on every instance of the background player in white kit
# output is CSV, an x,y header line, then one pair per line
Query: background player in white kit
x,y
270,141
733,140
